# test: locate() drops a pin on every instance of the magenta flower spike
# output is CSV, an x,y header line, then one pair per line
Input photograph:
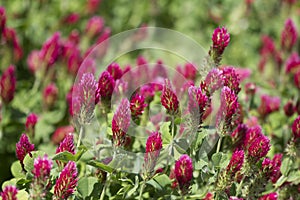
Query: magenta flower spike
x,y
2,19
51,49
289,108
41,169
251,134
184,172
23,147
198,102
271,196
238,134
9,193
271,168
66,182
214,80
105,88
34,61
121,122
259,148
297,79
169,99
296,128
31,121
50,95
8,84
268,105
153,147
236,163
228,108
289,35
66,145
137,105
115,70
292,64
231,79
220,39
94,26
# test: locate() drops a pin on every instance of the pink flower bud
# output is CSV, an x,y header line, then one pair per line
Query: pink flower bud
x,y
50,95
23,147
41,169
236,163
251,134
137,105
8,84
297,79
268,105
34,61
31,121
184,172
289,35
270,196
74,36
121,122
71,18
169,99
289,108
115,70
271,168
153,147
198,102
296,127
293,63
67,144
231,79
9,193
94,26
2,19
61,132
66,182
220,39
92,5
106,86
148,92
259,148
214,80
268,45
51,49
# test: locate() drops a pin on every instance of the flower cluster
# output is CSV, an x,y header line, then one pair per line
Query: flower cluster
x,y
272,167
9,193
169,99
184,172
23,147
31,121
220,39
8,84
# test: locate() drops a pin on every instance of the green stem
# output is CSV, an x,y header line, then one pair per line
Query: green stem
x,y
103,191
219,144
80,136
173,126
2,113
141,190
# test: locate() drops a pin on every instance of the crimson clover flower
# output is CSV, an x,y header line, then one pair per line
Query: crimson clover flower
x,y
236,163
297,79
8,84
198,102
259,148
51,49
31,121
214,80
292,64
169,99
137,105
2,19
66,182
121,122
227,111
94,26
289,108
270,196
296,128
220,39
268,105
153,147
239,134
9,35
231,79
251,134
184,172
60,133
9,193
50,95
115,70
23,147
34,61
105,88
289,35
66,145
271,168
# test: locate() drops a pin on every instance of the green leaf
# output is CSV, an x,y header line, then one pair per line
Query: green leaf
x,y
154,184
280,181
294,177
16,170
286,165
86,185
136,185
22,195
64,156
100,165
29,160
219,160
165,133
163,180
